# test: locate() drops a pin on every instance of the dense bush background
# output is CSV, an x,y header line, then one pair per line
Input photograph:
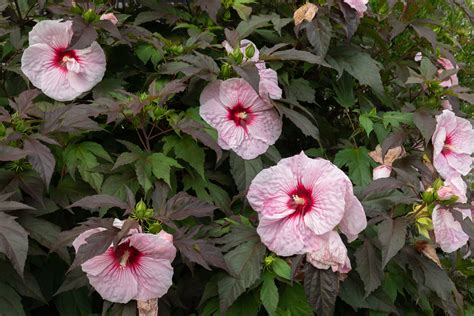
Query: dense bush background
x,y
349,84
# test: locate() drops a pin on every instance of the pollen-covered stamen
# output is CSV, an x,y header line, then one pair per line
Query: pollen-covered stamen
x,y
124,259
298,200
301,200
242,115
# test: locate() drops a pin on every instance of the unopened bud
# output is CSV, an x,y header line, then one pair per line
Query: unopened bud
x,y
140,209
90,16
249,51
428,196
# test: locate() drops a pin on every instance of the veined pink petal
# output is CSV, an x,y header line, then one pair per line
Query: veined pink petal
x,y
358,5
54,33
446,64
354,220
448,232
92,68
332,254
267,126
243,46
454,186
35,61
268,85
154,246
154,278
81,239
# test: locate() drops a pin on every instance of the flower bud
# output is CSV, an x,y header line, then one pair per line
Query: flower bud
x,y
89,16
155,228
249,51
76,9
109,17
226,70
428,196
268,261
140,209
237,55
382,171
437,184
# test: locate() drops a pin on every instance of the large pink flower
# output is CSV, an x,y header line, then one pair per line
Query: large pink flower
x,y
138,268
299,201
453,144
332,254
60,73
268,85
448,232
358,5
245,122
452,80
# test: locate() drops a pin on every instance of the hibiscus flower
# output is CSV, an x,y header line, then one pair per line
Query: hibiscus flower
x,y
299,201
245,123
453,187
60,73
448,232
385,169
358,5
453,145
268,85
138,268
332,254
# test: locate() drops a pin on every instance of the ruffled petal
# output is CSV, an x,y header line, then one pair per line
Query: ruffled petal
x,y
266,126
154,277
448,232
354,220
212,110
153,246
268,85
250,148
332,253
55,84
81,239
382,171
461,163
54,33
35,60
92,63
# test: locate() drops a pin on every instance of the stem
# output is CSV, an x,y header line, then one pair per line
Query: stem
x,y
353,128
20,19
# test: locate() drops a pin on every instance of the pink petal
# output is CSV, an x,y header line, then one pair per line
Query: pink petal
x,y
81,239
382,171
153,246
446,105
212,110
109,17
460,163
266,126
268,85
454,186
354,220
448,232
92,68
154,277
54,33
35,60
358,5
466,212
250,148
234,91
55,84
332,253
113,283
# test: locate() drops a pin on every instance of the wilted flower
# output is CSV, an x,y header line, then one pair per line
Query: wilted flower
x,y
453,187
299,201
245,123
60,73
138,268
331,254
448,232
305,13
268,85
384,170
358,5
109,17
453,144
452,80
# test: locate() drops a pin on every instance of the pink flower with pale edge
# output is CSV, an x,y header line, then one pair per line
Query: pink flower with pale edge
x,y
452,80
139,268
109,17
454,186
453,145
448,232
358,5
382,171
300,200
332,254
61,74
245,122
268,85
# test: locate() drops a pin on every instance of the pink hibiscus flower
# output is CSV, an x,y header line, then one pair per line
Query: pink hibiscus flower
x,y
332,254
453,145
245,123
268,85
358,5
382,171
299,201
448,232
61,74
109,17
139,268
452,80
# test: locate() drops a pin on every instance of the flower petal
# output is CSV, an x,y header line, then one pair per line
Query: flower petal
x,y
153,246
266,126
268,84
35,61
92,68
448,232
354,220
54,33
154,277
55,84
332,253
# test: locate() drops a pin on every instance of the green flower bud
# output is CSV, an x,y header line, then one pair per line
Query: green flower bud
x,y
90,16
268,261
428,196
237,55
437,184
149,212
250,51
3,130
155,228
140,209
76,9
226,70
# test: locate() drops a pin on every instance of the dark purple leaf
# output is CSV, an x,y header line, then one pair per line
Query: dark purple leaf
x,y
6,206
99,200
293,54
319,33
425,122
128,225
160,195
380,185
40,158
183,205
84,34
210,6
171,88
232,36
321,288
109,27
393,140
369,266
249,73
95,245
198,132
296,266
13,242
391,234
8,153
425,32
24,102
74,279
301,121
351,18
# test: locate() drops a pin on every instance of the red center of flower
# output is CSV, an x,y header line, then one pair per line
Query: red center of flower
x,y
62,56
126,255
447,148
301,200
241,115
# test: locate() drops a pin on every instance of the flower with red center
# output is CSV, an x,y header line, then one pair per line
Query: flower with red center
x,y
359,5
453,145
244,121
138,268
268,85
61,74
448,232
452,80
299,201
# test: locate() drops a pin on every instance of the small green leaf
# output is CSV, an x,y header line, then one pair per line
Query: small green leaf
x,y
161,166
144,52
358,162
427,69
366,123
10,301
281,268
269,294
396,118
188,150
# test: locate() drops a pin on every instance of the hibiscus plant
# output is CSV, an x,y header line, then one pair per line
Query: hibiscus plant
x,y
236,157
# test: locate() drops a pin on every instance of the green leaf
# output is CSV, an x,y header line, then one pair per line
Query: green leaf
x,y
144,52
188,150
396,118
143,170
427,69
344,90
302,90
97,150
366,123
358,162
293,300
13,242
10,301
281,268
125,159
369,267
269,294
245,305
161,166
74,303
243,171
391,234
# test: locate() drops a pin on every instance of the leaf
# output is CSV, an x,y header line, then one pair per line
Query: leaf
x,y
183,205
84,34
281,268
269,294
249,72
396,118
74,279
302,90
210,6
95,245
361,66
381,185
99,200
358,162
294,302
161,166
13,242
391,234
426,33
75,302
301,121
198,132
8,153
13,205
429,251
125,159
366,123
24,102
294,54
319,33
10,301
246,262
188,150
369,267
393,140
427,69
25,286
425,122
244,171
41,158
321,288
351,18
245,28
